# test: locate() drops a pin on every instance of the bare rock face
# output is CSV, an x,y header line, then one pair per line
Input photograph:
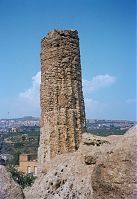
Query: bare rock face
x,y
8,188
115,176
62,103
65,177
102,168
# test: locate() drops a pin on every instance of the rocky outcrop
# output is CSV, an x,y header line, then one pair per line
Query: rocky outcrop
x,y
62,103
115,176
8,188
102,168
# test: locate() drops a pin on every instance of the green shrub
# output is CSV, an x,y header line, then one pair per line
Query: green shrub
x,y
24,180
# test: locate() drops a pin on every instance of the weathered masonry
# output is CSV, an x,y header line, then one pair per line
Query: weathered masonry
x,y
62,103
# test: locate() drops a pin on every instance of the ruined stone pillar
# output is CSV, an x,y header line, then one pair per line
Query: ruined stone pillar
x,y
62,103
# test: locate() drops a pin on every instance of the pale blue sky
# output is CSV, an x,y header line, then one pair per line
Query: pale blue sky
x,y
107,32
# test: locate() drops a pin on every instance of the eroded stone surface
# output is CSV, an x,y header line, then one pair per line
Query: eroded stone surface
x,y
8,188
112,174
62,103
115,176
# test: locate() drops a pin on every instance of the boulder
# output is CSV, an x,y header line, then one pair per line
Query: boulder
x,y
8,188
115,176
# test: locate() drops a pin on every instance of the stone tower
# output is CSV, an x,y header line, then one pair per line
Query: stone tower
x,y
62,103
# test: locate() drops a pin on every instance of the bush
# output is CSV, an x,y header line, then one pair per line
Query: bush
x,y
24,180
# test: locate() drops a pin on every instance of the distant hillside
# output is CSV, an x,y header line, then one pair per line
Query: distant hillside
x,y
30,118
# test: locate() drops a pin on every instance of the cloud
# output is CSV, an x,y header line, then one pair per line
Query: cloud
x,y
98,82
26,102
95,108
29,99
32,93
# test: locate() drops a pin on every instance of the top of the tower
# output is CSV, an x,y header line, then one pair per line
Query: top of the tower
x,y
62,33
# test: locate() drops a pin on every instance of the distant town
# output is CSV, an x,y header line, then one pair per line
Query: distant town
x,y
19,139
14,125
98,124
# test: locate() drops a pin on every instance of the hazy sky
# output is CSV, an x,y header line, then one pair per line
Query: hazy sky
x,y
107,32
